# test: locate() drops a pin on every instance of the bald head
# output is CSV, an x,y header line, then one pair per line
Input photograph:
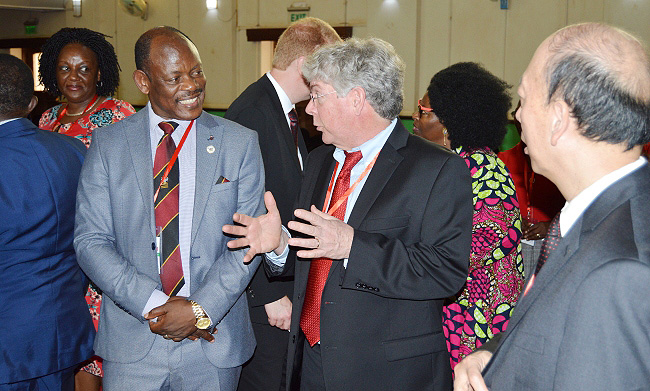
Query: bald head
x,y
603,74
143,44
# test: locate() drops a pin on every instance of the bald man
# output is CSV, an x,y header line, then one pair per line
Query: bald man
x,y
583,322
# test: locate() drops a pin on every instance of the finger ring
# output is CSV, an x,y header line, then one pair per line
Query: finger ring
x,y
538,235
166,336
318,245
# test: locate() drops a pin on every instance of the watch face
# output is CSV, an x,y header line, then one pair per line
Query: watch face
x,y
203,323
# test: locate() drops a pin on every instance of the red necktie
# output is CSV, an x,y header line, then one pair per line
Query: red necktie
x,y
166,210
550,243
293,118
320,267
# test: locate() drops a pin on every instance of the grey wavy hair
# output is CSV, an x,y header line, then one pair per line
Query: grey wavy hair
x,y
370,63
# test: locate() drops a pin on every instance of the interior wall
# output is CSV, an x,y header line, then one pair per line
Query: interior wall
x,y
429,34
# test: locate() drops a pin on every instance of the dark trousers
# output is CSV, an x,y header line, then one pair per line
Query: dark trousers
x,y
312,377
266,370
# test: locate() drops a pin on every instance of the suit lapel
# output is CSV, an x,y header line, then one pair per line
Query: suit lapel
x,y
206,165
281,121
619,193
388,160
138,140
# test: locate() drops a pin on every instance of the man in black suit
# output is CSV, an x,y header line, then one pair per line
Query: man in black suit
x,y
374,270
583,320
267,106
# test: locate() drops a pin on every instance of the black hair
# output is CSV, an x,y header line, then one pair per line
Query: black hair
x,y
472,104
16,87
143,45
106,59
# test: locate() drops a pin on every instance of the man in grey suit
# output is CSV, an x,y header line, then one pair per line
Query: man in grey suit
x,y
152,338
583,321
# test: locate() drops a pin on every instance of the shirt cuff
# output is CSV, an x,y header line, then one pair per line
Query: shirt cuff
x,y
156,299
276,262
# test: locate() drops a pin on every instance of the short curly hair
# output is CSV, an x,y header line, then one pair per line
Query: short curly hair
x,y
472,104
106,59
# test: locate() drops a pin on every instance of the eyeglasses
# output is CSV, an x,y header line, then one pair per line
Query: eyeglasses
x,y
314,97
422,109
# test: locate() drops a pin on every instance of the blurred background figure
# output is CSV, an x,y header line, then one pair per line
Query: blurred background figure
x,y
80,65
539,200
465,109
45,328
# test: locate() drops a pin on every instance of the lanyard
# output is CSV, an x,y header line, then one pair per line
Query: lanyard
x,y
345,196
172,160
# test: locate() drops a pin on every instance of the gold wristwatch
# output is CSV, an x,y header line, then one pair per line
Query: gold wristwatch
x,y
202,320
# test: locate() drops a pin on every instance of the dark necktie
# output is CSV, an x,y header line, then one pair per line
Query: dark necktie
x,y
550,244
320,267
293,118
166,210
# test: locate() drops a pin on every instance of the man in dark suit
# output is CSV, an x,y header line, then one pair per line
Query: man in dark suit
x,y
45,326
583,320
155,332
268,107
374,270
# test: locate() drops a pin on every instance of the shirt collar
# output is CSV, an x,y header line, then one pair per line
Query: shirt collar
x,y
287,106
371,147
155,119
8,120
573,209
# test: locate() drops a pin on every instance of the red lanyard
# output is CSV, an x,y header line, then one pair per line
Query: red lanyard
x,y
345,195
172,160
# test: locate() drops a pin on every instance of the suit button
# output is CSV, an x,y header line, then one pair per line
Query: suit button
x,y
358,285
293,339
153,246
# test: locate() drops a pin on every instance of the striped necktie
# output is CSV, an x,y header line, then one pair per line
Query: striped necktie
x,y
166,210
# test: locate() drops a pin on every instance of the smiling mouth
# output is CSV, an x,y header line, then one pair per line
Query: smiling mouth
x,y
189,101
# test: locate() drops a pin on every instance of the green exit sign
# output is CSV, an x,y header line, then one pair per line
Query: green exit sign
x,y
293,16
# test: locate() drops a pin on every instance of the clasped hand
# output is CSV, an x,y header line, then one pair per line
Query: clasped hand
x,y
176,321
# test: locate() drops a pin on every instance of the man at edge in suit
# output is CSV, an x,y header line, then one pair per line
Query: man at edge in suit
x,y
268,107
583,321
373,272
138,215
45,326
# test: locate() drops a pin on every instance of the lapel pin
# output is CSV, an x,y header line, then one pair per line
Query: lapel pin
x,y
210,148
211,137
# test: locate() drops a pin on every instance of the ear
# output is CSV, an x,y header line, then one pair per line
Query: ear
x,y
560,120
358,97
32,104
141,81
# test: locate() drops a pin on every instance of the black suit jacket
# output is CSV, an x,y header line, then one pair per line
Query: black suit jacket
x,y
381,317
585,324
259,108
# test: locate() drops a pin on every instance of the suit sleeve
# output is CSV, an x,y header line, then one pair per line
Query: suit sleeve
x,y
433,267
228,276
606,344
95,239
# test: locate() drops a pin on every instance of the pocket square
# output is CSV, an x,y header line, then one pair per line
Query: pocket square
x,y
221,180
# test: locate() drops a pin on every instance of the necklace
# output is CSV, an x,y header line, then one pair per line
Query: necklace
x,y
65,109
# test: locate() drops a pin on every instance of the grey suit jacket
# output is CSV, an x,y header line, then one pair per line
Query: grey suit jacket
x,y
585,324
114,234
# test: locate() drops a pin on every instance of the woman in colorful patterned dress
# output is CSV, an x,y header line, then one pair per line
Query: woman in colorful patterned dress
x,y
465,109
81,66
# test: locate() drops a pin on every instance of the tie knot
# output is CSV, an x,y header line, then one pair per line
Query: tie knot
x,y
293,116
168,127
351,159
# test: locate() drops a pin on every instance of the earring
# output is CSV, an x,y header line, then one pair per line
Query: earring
x,y
444,135
100,84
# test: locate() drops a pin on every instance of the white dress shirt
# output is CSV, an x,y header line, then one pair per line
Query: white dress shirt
x,y
573,209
